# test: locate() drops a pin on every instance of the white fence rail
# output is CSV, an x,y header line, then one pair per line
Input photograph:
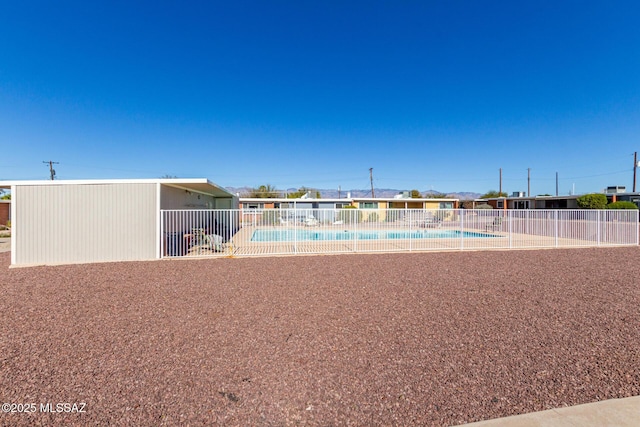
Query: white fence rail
x,y
297,231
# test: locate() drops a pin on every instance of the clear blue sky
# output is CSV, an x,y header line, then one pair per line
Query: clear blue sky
x,y
430,94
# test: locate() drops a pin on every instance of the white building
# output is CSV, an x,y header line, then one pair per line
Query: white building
x,y
75,221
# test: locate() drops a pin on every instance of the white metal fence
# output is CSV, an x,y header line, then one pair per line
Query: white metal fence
x,y
297,231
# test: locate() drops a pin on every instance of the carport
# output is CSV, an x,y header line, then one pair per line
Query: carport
x,y
76,221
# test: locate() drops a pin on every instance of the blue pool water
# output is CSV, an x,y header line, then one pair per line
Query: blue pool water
x,y
290,235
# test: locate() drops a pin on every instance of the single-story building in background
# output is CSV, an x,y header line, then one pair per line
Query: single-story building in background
x,y
254,208
75,221
518,200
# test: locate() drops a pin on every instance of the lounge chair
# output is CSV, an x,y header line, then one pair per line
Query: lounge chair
x,y
215,242
431,223
310,221
283,221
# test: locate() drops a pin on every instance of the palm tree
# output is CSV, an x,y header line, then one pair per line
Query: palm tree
x,y
264,192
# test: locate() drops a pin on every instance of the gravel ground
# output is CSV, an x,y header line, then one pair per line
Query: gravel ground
x,y
383,339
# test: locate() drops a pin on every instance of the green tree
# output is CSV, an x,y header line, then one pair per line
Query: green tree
x,y
415,194
592,201
6,197
622,205
263,192
492,194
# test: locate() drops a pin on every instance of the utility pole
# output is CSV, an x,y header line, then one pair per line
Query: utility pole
x,y
528,182
635,167
338,191
500,186
373,194
51,170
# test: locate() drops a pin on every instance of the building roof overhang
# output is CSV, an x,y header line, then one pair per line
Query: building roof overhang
x,y
199,185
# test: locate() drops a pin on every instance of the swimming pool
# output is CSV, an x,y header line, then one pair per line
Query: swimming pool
x,y
291,235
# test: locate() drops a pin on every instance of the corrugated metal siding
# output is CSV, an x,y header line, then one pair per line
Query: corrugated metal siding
x,y
85,223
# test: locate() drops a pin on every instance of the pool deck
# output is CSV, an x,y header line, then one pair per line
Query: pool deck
x,y
242,245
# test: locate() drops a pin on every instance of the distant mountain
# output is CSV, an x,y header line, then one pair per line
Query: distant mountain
x,y
379,192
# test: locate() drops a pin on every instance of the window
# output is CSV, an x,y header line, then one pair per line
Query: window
x,y
255,205
368,205
446,205
342,205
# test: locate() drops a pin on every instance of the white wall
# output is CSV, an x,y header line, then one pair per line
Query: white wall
x,y
84,223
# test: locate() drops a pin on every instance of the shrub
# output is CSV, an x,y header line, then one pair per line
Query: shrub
x,y
592,201
349,216
622,205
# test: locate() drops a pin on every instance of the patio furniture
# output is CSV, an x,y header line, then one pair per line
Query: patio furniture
x,y
310,221
431,223
214,242
283,221
200,240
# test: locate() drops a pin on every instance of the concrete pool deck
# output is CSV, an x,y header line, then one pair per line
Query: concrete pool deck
x,y
242,244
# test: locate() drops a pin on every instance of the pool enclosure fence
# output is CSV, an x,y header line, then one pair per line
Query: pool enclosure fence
x,y
236,232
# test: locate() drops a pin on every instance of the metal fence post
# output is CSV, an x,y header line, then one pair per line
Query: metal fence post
x,y
162,233
510,228
556,226
295,232
635,229
597,213
410,228
354,221
462,230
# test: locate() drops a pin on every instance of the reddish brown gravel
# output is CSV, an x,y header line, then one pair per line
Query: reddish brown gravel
x,y
385,339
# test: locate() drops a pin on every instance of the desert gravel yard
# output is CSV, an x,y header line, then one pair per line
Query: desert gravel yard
x,y
383,339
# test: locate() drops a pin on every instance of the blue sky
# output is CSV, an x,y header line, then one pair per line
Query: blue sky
x,y
430,94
